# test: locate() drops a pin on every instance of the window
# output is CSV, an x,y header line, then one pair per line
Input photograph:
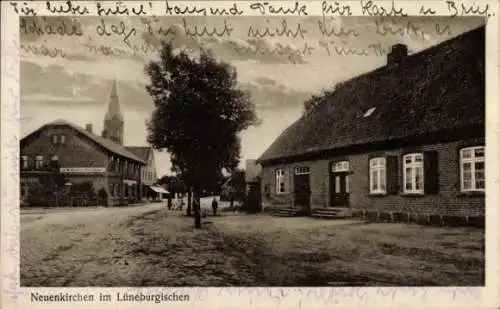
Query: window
x,y
472,169
117,165
280,181
54,161
302,170
39,162
413,173
63,139
341,166
24,162
377,176
54,139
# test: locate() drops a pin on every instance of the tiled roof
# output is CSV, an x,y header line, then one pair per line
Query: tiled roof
x,y
141,152
105,143
438,89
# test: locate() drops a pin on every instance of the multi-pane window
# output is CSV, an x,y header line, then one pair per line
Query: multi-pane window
x,y
280,181
472,169
39,162
24,162
377,175
413,173
341,166
302,170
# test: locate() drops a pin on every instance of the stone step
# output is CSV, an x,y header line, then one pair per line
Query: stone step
x,y
327,211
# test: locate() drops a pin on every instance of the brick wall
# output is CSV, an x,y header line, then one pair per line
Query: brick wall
x,y
448,201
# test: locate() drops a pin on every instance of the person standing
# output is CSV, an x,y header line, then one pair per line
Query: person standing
x,y
214,206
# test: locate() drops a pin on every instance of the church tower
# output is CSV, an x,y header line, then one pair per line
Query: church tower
x,y
113,121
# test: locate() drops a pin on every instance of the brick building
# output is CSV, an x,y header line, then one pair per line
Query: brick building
x,y
402,142
63,150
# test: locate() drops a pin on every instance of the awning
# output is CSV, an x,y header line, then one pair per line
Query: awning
x,y
158,189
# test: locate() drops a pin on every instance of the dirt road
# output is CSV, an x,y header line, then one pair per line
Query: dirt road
x,y
77,246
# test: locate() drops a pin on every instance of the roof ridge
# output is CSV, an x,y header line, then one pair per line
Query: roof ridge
x,y
106,143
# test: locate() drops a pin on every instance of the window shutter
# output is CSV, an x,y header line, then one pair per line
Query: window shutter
x,y
431,172
392,179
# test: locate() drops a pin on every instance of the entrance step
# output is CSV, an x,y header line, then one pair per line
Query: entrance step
x,y
289,212
331,213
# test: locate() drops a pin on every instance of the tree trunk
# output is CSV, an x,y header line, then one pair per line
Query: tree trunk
x,y
188,211
197,208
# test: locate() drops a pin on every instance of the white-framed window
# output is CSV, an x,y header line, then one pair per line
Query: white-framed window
x,y
302,170
472,169
341,166
24,162
378,175
39,162
413,173
280,181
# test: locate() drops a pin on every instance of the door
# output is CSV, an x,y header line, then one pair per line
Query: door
x,y
339,189
302,189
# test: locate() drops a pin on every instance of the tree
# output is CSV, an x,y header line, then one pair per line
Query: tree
x,y
238,184
199,112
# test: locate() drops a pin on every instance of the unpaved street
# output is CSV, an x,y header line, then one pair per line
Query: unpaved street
x,y
74,247
151,246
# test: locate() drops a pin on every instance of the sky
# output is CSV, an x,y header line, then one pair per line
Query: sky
x,y
68,64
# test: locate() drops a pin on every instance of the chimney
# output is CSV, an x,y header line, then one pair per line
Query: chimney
x,y
397,54
88,127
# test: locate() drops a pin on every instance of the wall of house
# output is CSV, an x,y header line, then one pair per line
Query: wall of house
x,y
77,151
148,173
448,201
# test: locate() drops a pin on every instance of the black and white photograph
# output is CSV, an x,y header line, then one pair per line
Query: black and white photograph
x,y
204,151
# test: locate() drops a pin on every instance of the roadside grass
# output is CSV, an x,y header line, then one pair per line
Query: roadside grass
x,y
261,250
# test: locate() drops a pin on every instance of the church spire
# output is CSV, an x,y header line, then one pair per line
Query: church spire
x,y
114,103
113,121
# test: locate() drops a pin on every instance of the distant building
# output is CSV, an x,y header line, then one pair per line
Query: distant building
x,y
65,150
148,174
402,142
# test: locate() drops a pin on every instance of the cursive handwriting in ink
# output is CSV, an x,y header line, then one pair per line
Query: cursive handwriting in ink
x,y
105,50
67,7
267,9
177,10
335,8
121,9
464,10
379,50
426,11
149,29
443,30
283,31
340,49
334,31
204,31
409,29
121,29
42,50
31,26
368,8
233,11
25,9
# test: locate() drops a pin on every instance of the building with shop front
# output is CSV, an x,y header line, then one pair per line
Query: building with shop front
x,y
66,162
403,142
